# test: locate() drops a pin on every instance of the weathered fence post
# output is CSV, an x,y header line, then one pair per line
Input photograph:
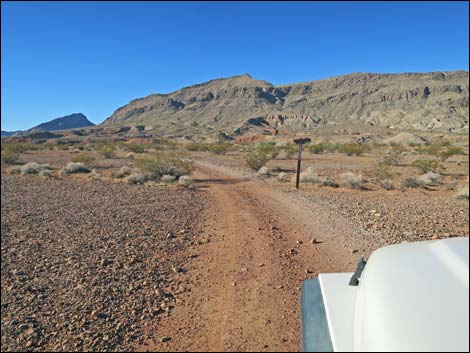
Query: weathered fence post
x,y
300,142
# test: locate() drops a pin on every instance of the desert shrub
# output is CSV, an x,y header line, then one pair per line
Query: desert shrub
x,y
82,159
392,160
18,147
168,143
353,148
196,146
381,172
74,167
309,176
29,168
185,180
263,171
330,183
220,148
289,149
61,147
95,175
450,151
386,184
14,170
283,177
33,168
427,165
410,183
432,150
123,172
161,163
317,148
397,149
430,178
256,159
452,186
352,180
167,179
462,194
46,173
137,178
10,157
107,151
268,148
135,147
324,147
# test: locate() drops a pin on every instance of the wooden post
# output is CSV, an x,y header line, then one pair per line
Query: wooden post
x,y
300,142
299,160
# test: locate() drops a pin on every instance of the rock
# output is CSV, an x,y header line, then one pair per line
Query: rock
x,y
165,339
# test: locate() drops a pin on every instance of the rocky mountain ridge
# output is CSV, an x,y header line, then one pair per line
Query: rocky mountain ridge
x,y
436,101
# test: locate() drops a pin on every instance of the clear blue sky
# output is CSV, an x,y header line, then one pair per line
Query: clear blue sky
x,y
92,57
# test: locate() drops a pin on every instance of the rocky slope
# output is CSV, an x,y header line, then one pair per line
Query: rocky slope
x,y
72,121
437,101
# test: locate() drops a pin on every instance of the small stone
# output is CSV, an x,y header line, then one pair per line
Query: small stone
x,y
165,339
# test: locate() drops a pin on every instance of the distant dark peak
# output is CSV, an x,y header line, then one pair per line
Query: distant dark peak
x,y
75,120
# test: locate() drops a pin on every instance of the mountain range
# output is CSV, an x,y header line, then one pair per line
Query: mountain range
x,y
435,101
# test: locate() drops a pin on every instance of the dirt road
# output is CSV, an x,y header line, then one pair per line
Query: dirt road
x,y
245,281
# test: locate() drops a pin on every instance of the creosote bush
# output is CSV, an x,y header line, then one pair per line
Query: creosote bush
x,y
10,157
83,159
381,172
449,152
256,159
268,148
135,147
220,148
427,165
161,163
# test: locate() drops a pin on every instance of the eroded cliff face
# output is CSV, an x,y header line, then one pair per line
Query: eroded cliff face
x,y
431,101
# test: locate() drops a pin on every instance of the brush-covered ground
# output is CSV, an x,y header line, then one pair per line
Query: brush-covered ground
x,y
176,245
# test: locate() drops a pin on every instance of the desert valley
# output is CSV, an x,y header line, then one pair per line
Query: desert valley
x,y
175,223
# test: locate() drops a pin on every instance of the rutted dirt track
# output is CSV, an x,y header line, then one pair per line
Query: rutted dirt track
x,y
246,281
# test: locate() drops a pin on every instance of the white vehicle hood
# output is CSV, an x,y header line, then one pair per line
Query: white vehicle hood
x,y
414,297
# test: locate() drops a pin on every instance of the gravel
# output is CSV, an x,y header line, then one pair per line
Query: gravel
x,y
88,265
383,218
